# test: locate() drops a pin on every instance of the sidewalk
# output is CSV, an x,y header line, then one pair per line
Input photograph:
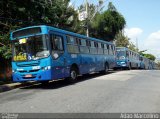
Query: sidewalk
x,y
10,86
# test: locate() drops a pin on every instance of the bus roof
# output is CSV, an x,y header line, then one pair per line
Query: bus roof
x,y
124,48
59,31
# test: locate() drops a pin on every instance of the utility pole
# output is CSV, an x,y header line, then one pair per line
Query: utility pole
x,y
137,43
87,31
87,14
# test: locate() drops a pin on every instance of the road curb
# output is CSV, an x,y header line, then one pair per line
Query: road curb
x,y
8,87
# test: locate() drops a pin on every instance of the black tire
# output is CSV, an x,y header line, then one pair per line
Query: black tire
x,y
105,71
115,69
73,75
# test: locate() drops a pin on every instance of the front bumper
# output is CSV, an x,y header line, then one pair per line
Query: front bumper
x,y
41,76
121,65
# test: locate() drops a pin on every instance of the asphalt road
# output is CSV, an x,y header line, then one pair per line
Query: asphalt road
x,y
122,91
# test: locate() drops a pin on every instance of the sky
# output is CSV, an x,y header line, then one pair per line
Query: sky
x,y
142,21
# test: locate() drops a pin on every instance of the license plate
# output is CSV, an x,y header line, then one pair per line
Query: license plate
x,y
28,75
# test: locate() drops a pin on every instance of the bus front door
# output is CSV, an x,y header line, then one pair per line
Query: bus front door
x,y
58,55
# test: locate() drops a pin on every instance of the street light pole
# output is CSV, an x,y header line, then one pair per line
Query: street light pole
x,y
87,31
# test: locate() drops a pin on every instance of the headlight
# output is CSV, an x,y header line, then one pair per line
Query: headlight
x,y
13,71
46,68
123,62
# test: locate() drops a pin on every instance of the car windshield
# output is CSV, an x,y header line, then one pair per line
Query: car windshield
x,y
30,48
121,54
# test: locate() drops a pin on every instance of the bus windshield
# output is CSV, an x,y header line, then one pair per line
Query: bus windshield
x,y
30,48
121,54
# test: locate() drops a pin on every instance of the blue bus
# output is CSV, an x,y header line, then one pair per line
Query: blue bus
x,y
152,65
146,63
43,53
127,59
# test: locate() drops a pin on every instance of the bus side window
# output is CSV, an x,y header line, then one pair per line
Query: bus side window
x,y
72,44
129,54
105,49
56,45
100,49
112,53
83,46
71,40
110,49
92,48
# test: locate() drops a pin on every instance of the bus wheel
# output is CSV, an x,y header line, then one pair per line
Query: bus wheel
x,y
73,75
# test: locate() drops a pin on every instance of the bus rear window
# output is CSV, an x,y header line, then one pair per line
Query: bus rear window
x,y
25,32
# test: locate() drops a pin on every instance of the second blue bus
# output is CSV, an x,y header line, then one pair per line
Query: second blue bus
x,y
127,59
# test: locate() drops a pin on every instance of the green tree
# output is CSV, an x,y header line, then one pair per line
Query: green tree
x,y
108,24
121,40
150,56
133,47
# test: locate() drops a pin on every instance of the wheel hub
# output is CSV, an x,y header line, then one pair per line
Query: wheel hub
x,y
73,75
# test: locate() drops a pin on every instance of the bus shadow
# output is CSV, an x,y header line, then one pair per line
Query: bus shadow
x,y
63,83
